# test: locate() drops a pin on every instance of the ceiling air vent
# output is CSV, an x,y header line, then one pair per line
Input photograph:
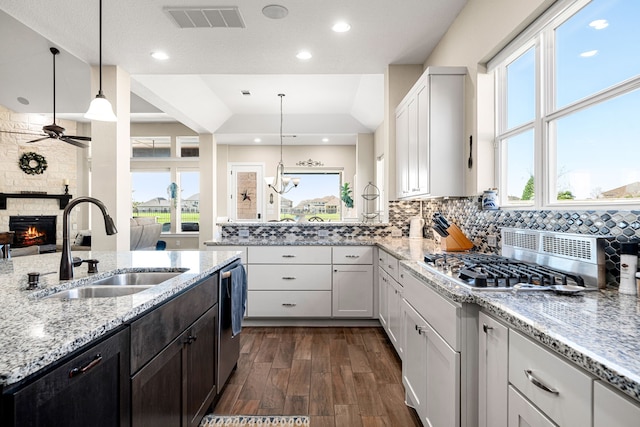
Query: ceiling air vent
x,y
210,17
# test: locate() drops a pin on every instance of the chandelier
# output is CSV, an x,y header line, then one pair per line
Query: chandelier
x,y
281,184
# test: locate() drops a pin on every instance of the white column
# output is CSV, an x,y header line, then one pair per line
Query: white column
x,y
110,158
208,192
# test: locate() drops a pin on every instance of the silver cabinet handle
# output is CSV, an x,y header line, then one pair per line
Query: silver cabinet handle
x,y
539,383
288,256
288,278
390,267
352,256
420,329
288,304
486,328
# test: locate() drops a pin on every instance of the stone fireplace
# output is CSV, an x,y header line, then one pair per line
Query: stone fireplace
x,y
34,231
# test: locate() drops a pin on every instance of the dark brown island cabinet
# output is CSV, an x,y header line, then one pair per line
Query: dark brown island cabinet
x,y
159,370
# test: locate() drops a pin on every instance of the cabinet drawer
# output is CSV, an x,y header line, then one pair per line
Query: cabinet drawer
x,y
289,303
388,263
289,255
532,368
153,331
442,314
289,277
353,255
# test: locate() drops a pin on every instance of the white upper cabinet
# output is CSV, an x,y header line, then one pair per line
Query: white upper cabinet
x,y
430,135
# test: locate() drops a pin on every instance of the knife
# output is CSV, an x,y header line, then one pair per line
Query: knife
x,y
441,231
440,221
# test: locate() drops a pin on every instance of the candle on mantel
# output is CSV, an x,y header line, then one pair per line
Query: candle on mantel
x,y
65,181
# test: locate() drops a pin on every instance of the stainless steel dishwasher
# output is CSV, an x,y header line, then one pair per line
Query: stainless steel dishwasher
x,y
228,345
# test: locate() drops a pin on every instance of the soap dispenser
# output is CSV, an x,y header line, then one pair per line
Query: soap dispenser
x,y
628,268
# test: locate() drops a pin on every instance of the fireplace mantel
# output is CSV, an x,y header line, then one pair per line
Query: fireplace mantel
x,y
62,198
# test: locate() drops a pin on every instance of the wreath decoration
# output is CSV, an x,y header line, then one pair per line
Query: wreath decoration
x,y
32,163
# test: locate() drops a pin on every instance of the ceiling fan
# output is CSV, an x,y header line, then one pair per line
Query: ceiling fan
x,y
53,130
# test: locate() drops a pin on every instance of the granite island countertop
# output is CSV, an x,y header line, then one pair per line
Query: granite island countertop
x,y
599,331
38,331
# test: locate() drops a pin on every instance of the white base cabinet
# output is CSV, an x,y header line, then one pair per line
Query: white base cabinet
x,y
353,281
390,299
430,372
611,408
493,372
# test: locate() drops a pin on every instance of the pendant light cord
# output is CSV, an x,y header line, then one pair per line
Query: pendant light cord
x,y
55,52
281,95
100,48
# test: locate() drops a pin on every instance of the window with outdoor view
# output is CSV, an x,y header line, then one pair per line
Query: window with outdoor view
x,y
568,96
317,198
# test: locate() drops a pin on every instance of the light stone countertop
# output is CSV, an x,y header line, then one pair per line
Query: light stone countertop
x,y
599,331
37,331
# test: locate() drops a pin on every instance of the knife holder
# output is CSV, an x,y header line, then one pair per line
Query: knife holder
x,y
456,241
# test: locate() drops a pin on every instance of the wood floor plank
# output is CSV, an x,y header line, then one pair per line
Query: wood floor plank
x,y
284,355
320,395
321,364
253,389
303,347
296,405
376,422
369,400
267,351
343,387
300,378
245,407
358,356
321,421
275,389
339,351
348,416
241,372
382,368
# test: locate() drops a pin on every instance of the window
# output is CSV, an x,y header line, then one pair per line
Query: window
x,y
316,198
568,96
164,185
154,195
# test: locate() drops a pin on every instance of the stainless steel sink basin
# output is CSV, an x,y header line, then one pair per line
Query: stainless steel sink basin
x,y
146,278
105,291
118,285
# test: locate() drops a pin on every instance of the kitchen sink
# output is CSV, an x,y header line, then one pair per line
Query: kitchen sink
x,y
118,285
145,278
103,291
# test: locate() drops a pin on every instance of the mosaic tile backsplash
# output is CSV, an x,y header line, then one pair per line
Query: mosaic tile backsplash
x,y
477,224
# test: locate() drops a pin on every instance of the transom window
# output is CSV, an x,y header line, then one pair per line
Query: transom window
x,y
568,99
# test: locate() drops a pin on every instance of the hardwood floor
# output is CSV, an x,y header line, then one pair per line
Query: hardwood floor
x,y
339,377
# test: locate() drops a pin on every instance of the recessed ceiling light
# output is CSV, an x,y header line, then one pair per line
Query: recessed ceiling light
x,y
275,11
588,53
304,55
246,92
325,139
599,24
257,140
161,56
23,101
341,27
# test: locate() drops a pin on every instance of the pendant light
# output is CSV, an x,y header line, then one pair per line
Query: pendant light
x,y
281,184
100,108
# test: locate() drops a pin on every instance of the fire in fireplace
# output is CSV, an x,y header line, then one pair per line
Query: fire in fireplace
x,y
34,230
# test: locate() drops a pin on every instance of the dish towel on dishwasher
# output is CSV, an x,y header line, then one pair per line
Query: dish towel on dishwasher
x,y
238,298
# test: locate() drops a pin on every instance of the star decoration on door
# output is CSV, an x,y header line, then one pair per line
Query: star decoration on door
x,y
245,196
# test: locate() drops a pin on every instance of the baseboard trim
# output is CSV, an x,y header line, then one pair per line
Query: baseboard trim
x,y
355,323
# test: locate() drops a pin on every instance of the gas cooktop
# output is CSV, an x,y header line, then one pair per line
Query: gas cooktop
x,y
530,259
